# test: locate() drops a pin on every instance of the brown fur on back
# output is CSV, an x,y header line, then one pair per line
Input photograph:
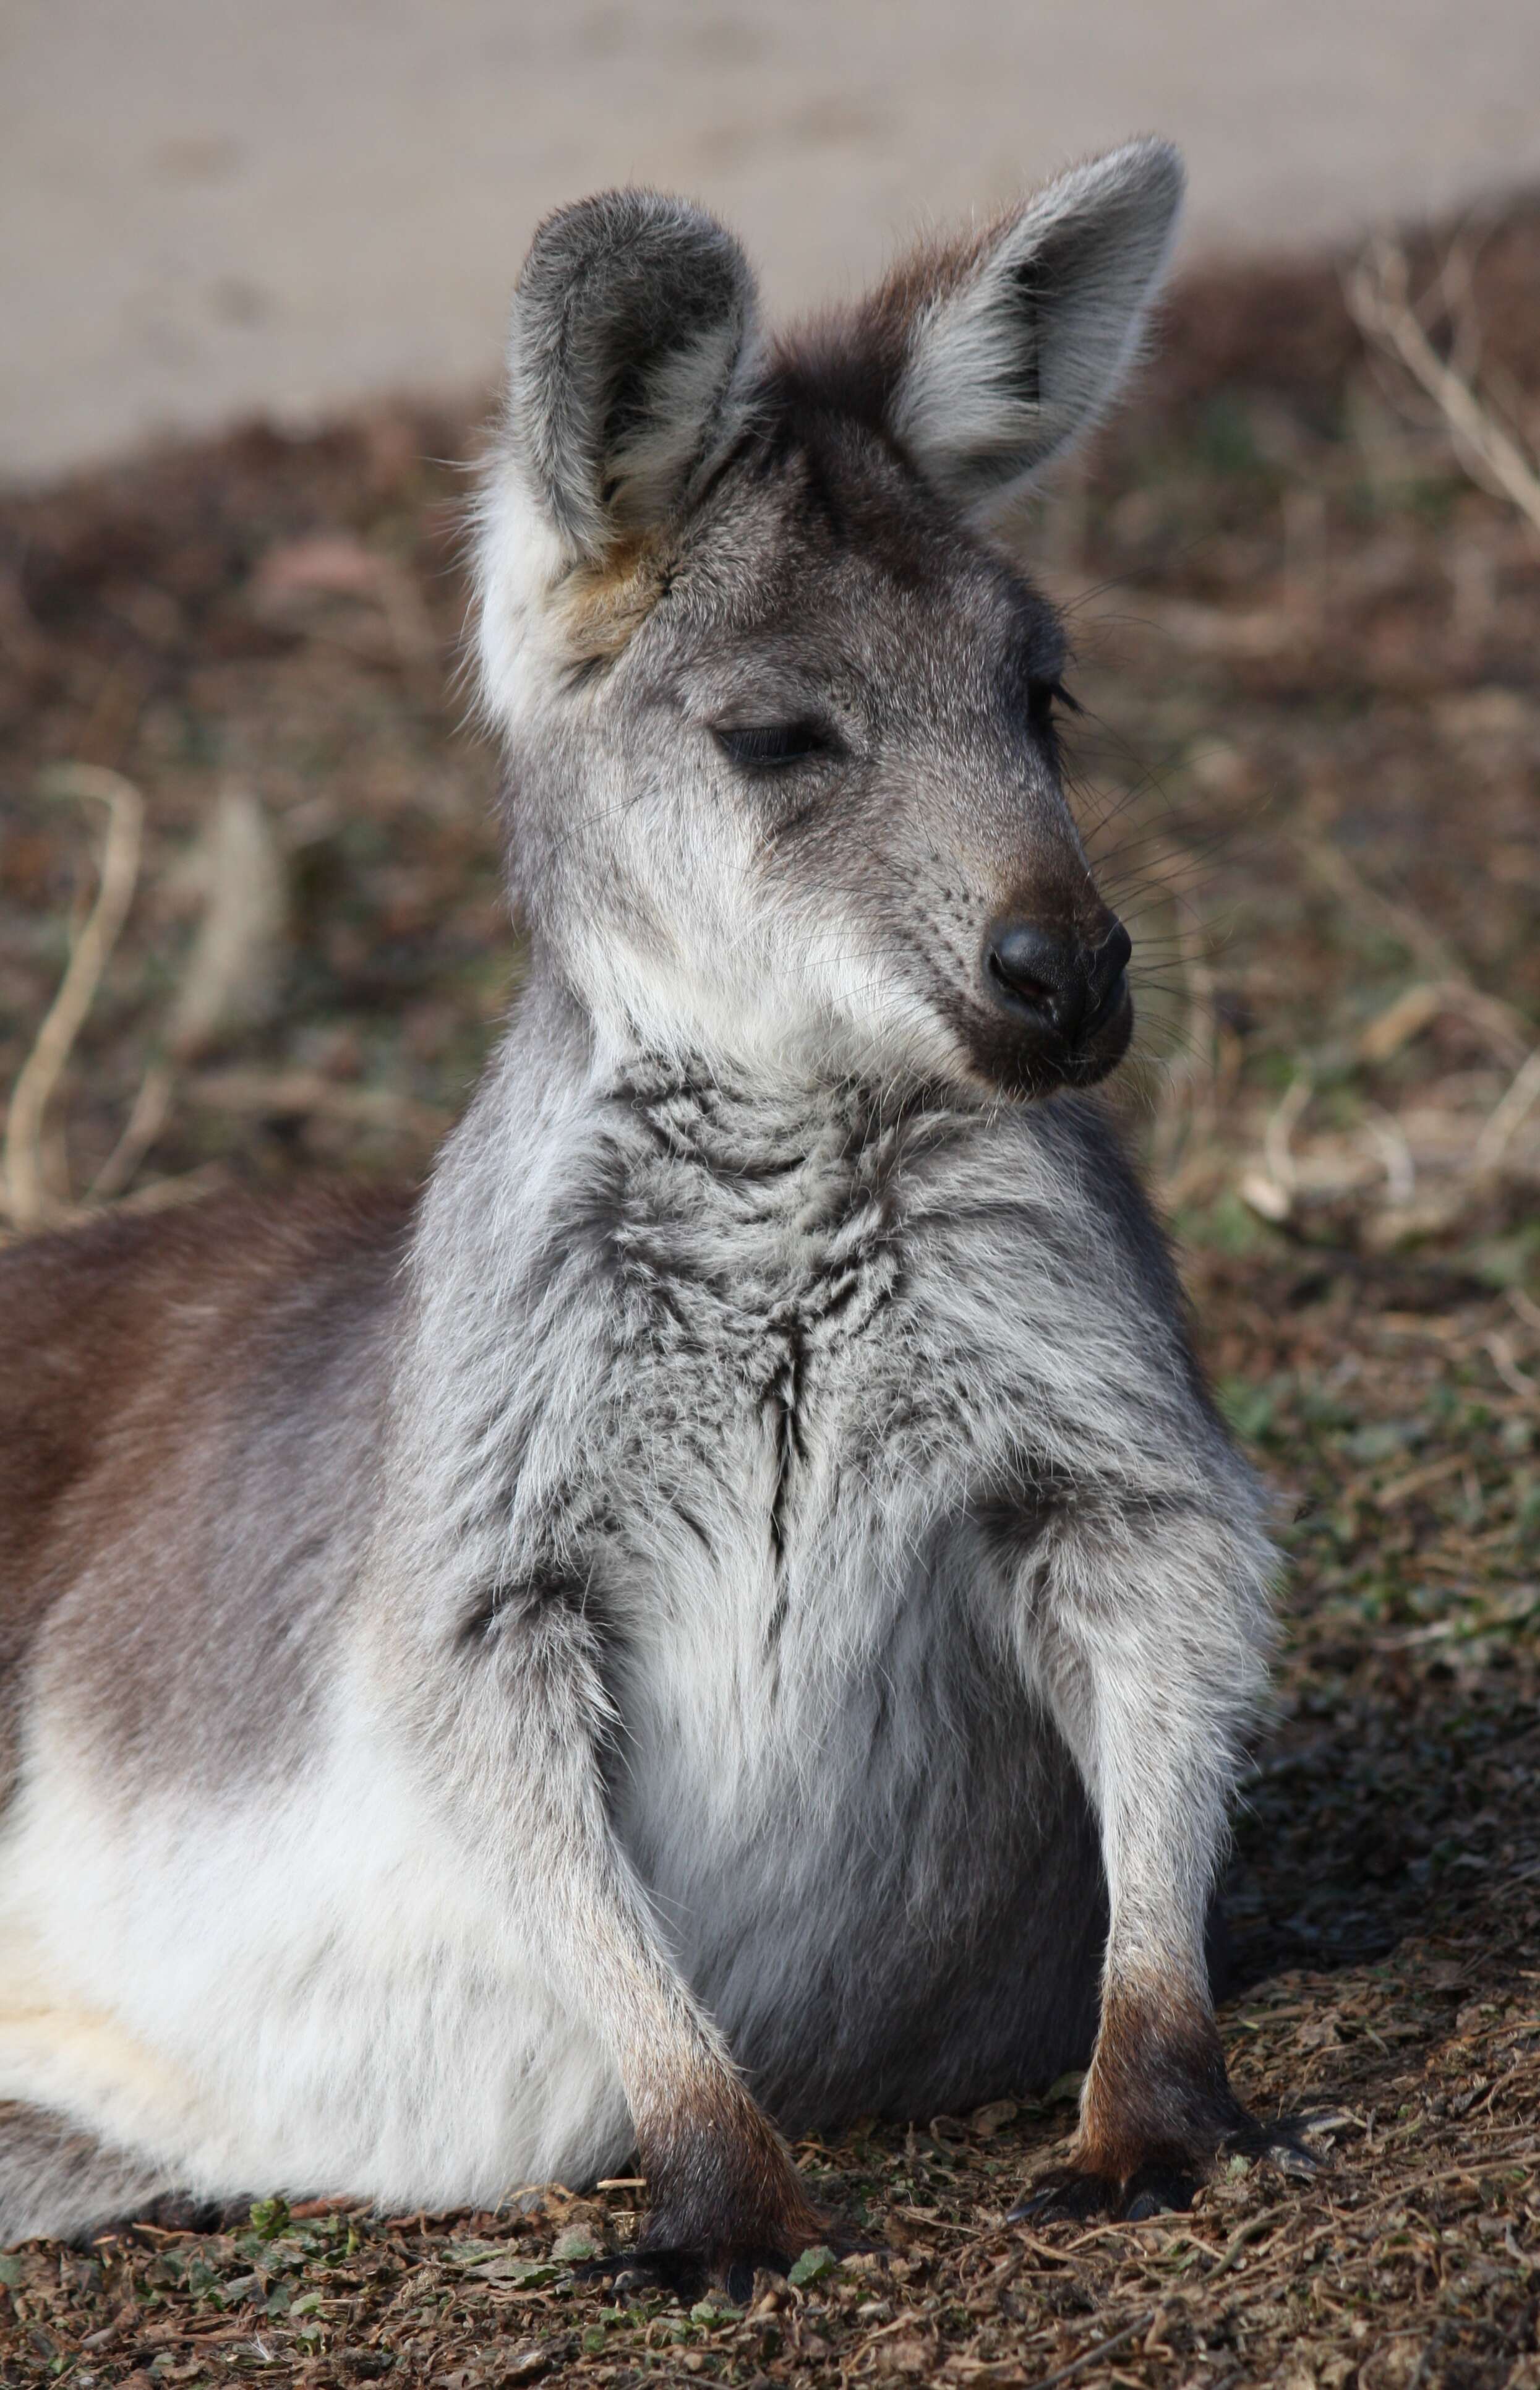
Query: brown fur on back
x,y
117,1337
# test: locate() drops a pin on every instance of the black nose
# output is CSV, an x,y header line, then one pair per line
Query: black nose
x,y
1055,984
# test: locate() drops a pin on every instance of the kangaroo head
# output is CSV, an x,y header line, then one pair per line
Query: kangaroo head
x,y
779,715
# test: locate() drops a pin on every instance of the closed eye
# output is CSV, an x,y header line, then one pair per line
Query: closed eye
x,y
770,746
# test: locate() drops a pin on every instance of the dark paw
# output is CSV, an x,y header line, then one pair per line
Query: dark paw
x,y
1065,2196
182,2213
737,2272
648,2273
1156,2190
1072,2195
172,2211
682,2272
1164,2182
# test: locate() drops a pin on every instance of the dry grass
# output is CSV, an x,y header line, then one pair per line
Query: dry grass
x,y
1310,660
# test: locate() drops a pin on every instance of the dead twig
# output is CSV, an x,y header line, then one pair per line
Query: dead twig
x,y
233,971
1188,1102
1103,2348
1504,1026
28,1202
1378,293
1507,1116
1500,1353
148,1116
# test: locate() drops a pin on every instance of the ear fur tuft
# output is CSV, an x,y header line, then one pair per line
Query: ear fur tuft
x,y
630,372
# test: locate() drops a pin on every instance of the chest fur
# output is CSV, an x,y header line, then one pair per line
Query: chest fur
x,y
750,1365
768,1388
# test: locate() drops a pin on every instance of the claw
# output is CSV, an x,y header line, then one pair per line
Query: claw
x,y
1074,2195
1065,2196
634,2273
1156,2190
1075,2198
738,2274
683,2273
1280,2145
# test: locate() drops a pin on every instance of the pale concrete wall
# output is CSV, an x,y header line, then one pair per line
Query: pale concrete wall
x,y
213,206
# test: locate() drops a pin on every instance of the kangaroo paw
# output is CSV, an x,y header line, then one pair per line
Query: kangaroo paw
x,y
1155,2182
683,2270
1079,2194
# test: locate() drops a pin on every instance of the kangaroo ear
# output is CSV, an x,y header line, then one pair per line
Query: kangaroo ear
x,y
626,355
1017,341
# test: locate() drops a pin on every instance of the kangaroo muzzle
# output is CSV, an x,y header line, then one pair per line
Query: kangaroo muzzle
x,y
1066,997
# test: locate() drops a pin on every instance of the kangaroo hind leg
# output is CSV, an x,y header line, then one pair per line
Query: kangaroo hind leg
x,y
58,2182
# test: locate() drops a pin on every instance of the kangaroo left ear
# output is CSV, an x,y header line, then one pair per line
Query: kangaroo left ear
x,y
630,357
1017,341
632,323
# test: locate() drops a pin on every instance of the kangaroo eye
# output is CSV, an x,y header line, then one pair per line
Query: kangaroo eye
x,y
769,747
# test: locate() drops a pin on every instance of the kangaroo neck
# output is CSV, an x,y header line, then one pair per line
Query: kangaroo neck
x,y
746,1119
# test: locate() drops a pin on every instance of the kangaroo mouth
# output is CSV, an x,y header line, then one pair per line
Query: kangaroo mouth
x,y
1009,1048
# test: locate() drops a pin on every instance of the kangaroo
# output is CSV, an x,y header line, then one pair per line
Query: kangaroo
x,y
734,1603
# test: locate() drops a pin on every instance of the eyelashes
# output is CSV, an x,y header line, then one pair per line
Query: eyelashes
x,y
772,746
1045,701
776,746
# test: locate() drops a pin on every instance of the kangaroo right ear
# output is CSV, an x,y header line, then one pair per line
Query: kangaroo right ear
x,y
1014,342
626,355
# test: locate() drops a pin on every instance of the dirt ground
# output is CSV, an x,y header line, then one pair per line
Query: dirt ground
x,y
1309,651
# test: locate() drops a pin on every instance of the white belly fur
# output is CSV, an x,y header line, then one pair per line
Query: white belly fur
x,y
311,1990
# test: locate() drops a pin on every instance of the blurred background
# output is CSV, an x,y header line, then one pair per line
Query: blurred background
x,y
254,263
208,208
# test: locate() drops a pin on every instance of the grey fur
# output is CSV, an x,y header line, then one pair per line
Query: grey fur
x,y
791,1586
51,2170
630,327
1016,360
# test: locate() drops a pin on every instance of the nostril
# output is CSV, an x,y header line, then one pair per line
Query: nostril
x,y
1038,977
1026,964
1022,984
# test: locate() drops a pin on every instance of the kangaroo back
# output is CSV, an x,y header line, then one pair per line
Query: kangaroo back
x,y
146,1363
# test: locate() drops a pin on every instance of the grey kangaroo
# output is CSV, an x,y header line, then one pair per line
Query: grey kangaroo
x,y
734,1603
